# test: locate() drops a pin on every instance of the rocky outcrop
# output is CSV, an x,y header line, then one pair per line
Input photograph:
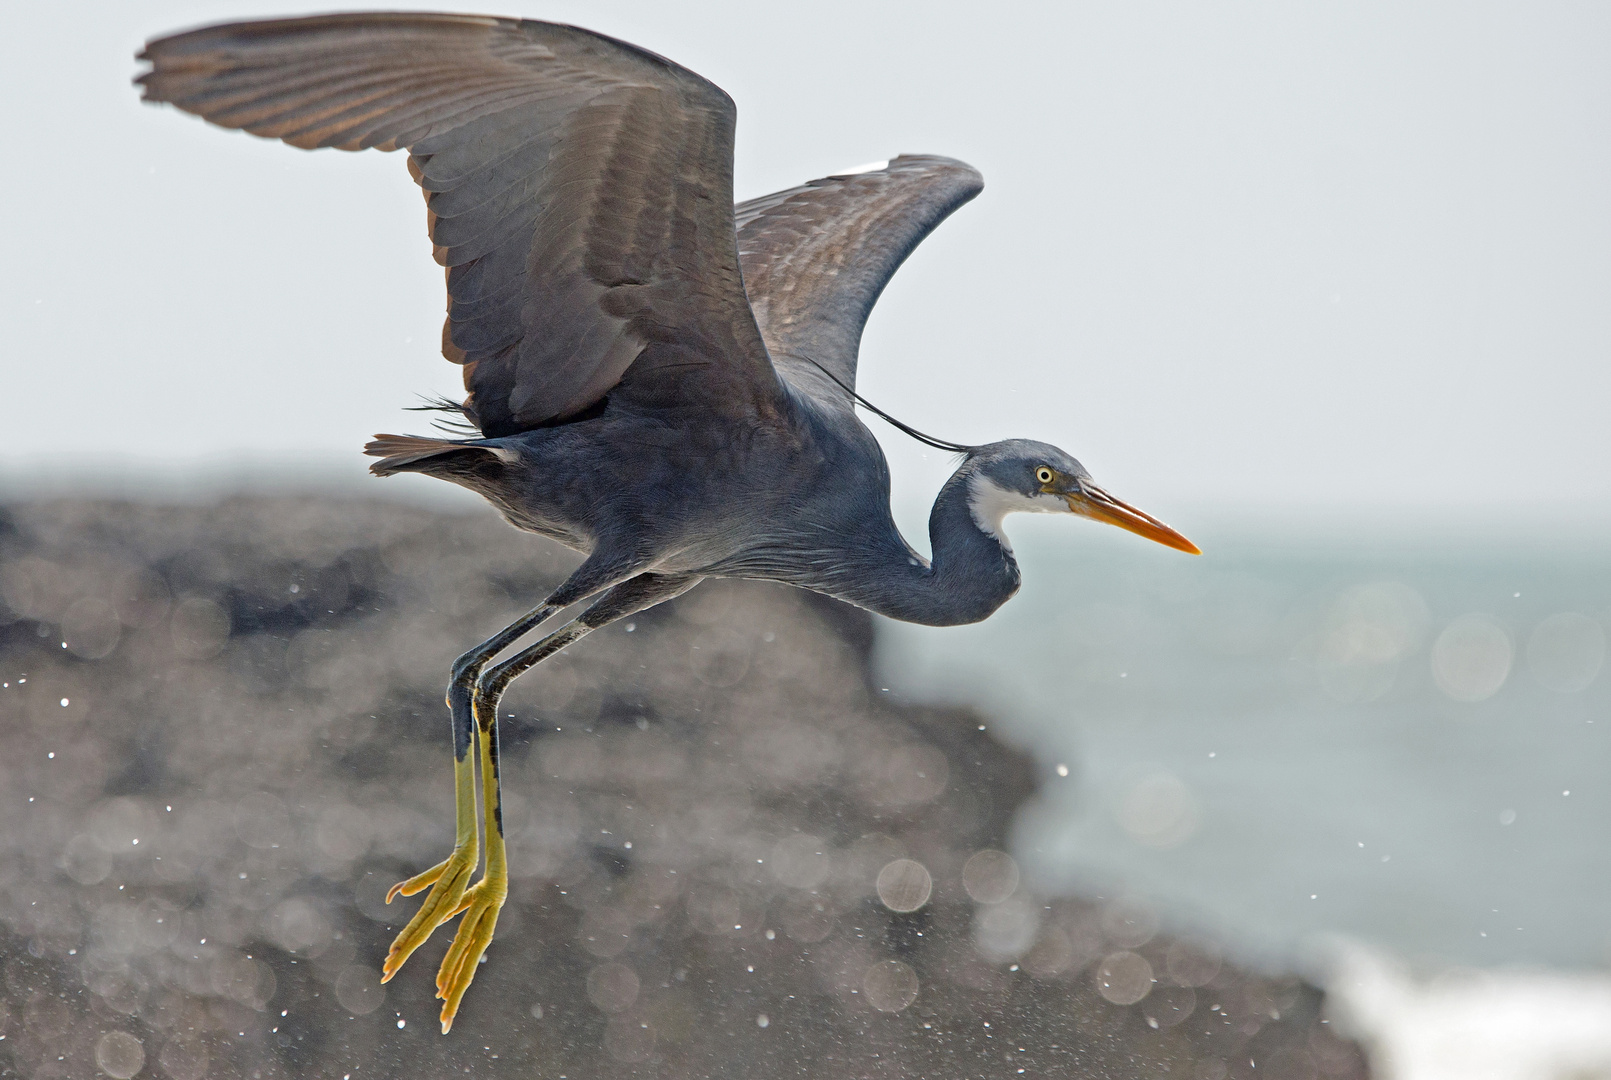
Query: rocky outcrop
x,y
222,738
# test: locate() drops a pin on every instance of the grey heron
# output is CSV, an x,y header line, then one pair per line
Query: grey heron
x,y
659,379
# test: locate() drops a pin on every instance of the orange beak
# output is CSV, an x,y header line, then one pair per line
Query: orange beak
x,y
1092,502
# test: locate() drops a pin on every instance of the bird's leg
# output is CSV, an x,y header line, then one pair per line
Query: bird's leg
x,y
448,879
482,902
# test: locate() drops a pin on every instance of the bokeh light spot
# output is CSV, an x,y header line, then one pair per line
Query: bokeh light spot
x,y
1158,811
990,876
612,987
200,628
359,989
1124,978
1471,658
890,985
119,1054
1006,930
1566,651
904,885
801,860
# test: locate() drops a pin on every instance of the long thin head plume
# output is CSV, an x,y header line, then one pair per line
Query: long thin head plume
x,y
927,440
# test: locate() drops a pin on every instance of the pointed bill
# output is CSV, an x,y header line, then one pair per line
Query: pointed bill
x,y
1092,502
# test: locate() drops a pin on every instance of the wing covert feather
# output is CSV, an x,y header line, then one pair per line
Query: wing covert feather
x,y
578,193
817,257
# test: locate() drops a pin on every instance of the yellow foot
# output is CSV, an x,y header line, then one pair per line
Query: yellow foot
x,y
480,906
449,878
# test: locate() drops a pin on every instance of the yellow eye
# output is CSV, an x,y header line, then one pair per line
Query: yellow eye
x,y
1044,475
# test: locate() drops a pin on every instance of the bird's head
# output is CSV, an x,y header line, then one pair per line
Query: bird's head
x,y
1022,476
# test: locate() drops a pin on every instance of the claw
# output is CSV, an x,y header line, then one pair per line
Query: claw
x,y
448,880
418,881
481,904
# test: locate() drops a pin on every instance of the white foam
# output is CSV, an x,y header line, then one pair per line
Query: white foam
x,y
1496,1024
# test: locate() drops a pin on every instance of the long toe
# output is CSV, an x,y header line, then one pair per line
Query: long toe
x,y
469,944
418,881
445,899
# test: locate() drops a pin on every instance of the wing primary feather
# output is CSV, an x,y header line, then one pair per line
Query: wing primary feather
x,y
816,257
579,189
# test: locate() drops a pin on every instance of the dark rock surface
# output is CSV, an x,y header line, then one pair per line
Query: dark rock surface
x,y
222,737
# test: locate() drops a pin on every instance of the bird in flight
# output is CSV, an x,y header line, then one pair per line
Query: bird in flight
x,y
659,379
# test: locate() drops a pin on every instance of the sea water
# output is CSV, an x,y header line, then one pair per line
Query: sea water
x,y
1404,740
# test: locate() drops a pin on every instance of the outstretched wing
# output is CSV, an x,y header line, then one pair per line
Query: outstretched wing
x,y
579,193
816,257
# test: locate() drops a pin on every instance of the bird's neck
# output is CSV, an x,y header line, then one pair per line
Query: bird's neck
x,y
971,574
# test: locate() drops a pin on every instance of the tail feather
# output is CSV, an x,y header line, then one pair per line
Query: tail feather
x,y
402,453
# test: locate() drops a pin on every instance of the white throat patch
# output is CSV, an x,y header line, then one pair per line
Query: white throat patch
x,y
989,502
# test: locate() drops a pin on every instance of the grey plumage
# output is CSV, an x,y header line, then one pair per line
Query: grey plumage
x,y
661,380
817,257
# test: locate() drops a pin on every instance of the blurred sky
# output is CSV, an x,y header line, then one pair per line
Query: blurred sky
x,y
1349,257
